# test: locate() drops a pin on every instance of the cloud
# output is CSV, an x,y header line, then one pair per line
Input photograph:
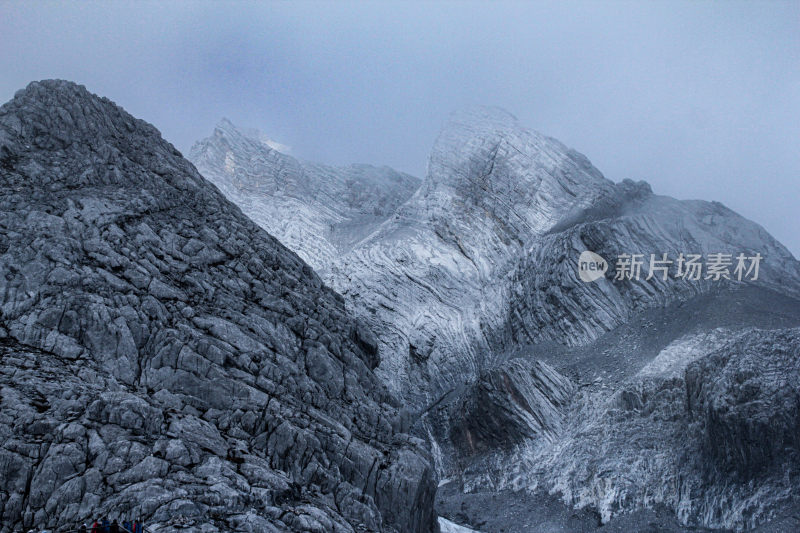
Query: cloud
x,y
700,99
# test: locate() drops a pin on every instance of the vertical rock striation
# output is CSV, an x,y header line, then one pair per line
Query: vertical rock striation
x,y
510,404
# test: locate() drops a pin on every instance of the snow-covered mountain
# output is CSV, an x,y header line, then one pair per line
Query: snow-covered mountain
x,y
483,256
512,361
316,210
163,356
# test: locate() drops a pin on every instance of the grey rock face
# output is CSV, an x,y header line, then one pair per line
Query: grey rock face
x,y
706,429
162,356
550,303
746,399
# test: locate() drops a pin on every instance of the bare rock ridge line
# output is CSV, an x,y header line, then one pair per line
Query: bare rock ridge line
x,y
162,356
527,378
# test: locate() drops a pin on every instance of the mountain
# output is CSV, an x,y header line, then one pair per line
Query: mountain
x,y
163,357
453,279
316,210
525,377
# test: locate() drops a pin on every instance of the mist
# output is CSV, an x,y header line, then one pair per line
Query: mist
x,y
702,100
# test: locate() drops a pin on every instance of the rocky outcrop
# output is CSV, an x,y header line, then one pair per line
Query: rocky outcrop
x,y
707,428
162,356
510,404
318,211
549,302
747,400
433,280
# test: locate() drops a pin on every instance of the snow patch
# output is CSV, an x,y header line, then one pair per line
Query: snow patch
x,y
446,526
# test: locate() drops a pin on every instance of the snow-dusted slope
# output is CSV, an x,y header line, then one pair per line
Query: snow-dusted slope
x,y
550,302
316,210
433,280
482,258
446,526
475,276
709,428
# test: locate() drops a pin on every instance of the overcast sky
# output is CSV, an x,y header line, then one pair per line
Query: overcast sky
x,y
701,99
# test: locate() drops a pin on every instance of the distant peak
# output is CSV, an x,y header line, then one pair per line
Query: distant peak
x,y
468,131
226,127
469,127
488,158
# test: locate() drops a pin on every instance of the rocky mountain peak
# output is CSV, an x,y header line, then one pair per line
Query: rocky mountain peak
x,y
92,140
51,114
226,128
162,356
326,208
485,162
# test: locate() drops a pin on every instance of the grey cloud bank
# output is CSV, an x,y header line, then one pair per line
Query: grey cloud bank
x,y
702,100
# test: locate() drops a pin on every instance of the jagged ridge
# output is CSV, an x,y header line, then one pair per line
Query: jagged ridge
x,y
317,210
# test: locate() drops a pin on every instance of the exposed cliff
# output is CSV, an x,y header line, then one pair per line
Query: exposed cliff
x,y
162,356
707,428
